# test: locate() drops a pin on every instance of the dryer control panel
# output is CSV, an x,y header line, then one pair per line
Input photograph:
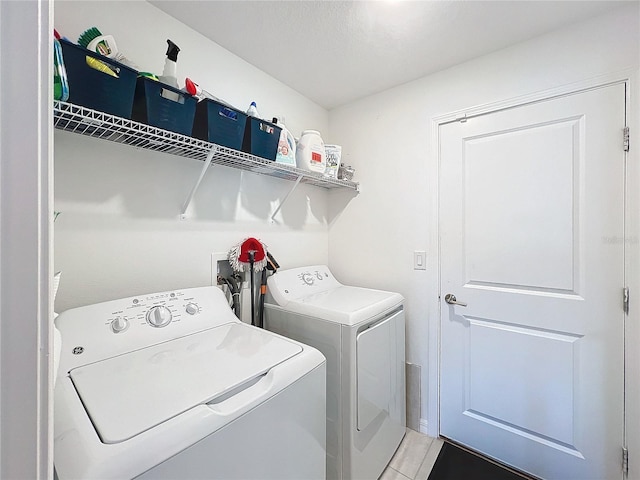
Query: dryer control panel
x,y
297,283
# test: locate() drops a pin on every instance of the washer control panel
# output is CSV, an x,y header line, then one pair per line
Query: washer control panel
x,y
106,329
157,310
297,283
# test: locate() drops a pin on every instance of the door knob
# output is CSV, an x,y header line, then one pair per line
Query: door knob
x,y
451,299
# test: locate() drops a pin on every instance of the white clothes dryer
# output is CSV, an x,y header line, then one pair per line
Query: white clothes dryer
x,y
361,333
172,385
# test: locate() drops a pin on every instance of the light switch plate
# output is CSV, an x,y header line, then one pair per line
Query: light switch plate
x,y
419,260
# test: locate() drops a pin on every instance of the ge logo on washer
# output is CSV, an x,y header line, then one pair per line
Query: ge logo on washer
x,y
78,350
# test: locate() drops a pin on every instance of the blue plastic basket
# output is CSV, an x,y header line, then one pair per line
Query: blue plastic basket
x,y
151,106
261,138
219,123
92,88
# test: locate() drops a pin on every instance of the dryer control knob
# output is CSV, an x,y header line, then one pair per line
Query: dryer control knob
x,y
159,316
119,324
191,308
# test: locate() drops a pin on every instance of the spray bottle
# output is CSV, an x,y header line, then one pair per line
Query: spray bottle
x,y
195,90
169,74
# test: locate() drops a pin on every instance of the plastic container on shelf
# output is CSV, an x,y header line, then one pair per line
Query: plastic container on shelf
x,y
109,88
286,146
152,106
252,111
261,138
310,153
219,123
60,84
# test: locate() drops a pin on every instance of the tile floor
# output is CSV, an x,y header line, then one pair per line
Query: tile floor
x,y
414,458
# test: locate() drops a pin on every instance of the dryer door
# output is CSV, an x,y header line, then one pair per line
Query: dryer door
x,y
379,363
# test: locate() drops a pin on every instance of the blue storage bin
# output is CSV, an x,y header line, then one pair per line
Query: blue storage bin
x,y
261,138
96,89
219,123
151,106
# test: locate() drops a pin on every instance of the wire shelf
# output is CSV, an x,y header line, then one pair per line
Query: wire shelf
x,y
92,123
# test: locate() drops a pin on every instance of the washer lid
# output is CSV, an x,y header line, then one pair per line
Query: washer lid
x,y
131,393
346,305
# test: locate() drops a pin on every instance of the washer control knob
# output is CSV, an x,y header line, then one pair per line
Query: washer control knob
x,y
119,324
192,308
307,278
159,316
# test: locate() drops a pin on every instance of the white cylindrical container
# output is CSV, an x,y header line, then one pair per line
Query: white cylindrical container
x,y
310,154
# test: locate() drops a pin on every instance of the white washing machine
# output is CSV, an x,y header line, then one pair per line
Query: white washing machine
x,y
172,385
361,333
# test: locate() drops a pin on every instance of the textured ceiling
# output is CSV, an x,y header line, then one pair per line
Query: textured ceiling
x,y
335,52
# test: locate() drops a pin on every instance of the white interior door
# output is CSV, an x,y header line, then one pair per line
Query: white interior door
x,y
532,240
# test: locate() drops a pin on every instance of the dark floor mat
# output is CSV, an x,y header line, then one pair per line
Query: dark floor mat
x,y
454,463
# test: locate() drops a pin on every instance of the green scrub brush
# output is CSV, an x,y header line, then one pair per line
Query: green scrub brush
x,y
88,36
93,39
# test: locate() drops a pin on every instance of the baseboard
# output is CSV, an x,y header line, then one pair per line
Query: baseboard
x,y
414,398
423,426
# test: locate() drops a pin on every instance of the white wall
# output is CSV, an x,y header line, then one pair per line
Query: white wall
x,y
388,139
119,232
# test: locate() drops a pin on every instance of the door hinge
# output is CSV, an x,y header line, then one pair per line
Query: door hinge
x,y
625,138
625,299
625,460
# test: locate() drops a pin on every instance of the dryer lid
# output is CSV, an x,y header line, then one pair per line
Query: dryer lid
x,y
346,305
315,292
131,393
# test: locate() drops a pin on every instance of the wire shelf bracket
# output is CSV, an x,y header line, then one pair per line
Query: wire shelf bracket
x,y
205,167
282,202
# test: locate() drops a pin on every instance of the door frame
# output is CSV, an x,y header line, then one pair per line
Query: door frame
x,y
26,230
632,250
